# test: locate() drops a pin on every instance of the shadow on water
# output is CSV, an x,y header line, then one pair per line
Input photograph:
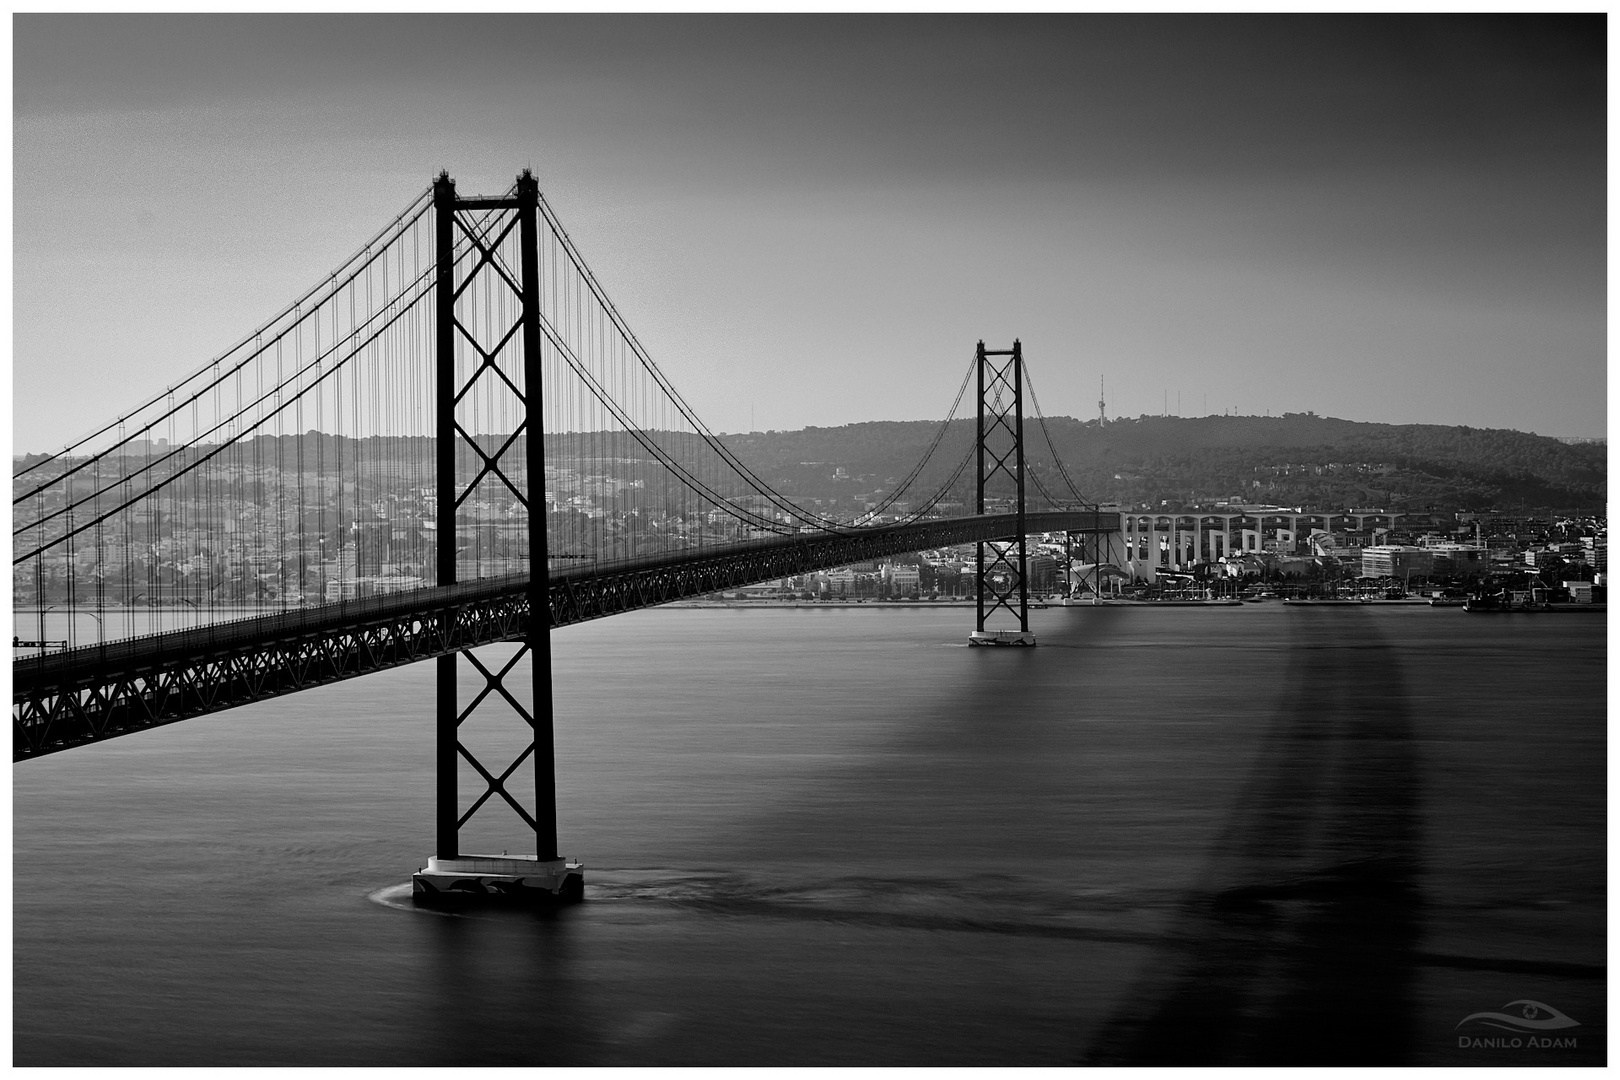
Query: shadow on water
x,y
1301,938
963,774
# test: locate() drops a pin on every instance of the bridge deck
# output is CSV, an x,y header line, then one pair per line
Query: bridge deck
x,y
116,688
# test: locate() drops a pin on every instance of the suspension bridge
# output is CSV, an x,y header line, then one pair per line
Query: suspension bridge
x,y
454,441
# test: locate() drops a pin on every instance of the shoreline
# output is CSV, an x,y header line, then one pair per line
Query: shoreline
x,y
1055,602
827,603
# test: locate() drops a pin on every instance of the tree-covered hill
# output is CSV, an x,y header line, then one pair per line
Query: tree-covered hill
x,y
1298,459
1295,459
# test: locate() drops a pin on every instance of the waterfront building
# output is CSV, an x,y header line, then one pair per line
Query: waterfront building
x,y
1396,561
903,579
1580,592
841,582
1459,560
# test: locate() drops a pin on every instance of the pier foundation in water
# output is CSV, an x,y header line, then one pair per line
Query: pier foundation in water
x,y
499,878
1002,637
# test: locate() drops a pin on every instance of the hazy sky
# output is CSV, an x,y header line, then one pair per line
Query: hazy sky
x,y
811,220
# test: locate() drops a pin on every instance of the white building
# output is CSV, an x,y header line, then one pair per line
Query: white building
x,y
903,579
1396,561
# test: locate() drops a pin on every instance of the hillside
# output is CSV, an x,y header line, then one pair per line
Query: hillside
x,y
1296,459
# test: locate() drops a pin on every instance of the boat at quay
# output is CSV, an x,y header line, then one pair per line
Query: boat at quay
x,y
1174,602
1513,605
1358,601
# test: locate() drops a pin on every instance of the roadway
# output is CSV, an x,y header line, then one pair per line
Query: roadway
x,y
101,691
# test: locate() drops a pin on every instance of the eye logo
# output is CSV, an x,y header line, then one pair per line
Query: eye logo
x,y
1523,1015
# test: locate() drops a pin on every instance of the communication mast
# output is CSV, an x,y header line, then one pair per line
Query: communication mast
x,y
1102,404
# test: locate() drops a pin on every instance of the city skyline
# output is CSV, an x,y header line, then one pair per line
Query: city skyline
x,y
808,221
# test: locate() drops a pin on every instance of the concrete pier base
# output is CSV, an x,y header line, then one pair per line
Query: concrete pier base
x,y
1002,637
499,877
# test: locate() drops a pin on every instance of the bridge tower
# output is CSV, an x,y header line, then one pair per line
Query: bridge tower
x,y
476,241
1004,579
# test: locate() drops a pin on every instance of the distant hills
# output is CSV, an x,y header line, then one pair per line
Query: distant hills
x,y
1294,459
1298,459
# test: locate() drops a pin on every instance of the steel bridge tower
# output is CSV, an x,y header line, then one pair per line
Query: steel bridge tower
x,y
1001,454
485,225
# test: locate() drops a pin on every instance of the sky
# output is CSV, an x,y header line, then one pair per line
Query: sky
x,y
813,219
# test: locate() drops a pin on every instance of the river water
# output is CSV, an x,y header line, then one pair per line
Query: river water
x,y
1262,834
